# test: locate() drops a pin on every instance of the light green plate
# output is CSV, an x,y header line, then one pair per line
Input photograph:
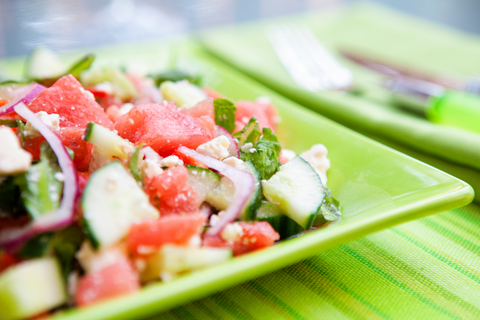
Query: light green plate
x,y
377,187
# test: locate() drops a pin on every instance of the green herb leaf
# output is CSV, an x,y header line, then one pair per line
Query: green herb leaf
x,y
225,114
268,135
38,246
40,190
330,210
83,64
250,133
264,158
65,244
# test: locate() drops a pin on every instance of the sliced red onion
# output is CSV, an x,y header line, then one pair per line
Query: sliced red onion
x,y
206,210
233,148
25,95
243,182
12,238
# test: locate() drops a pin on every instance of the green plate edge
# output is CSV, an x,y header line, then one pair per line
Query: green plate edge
x,y
414,189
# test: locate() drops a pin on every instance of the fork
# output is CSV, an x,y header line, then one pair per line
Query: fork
x,y
307,61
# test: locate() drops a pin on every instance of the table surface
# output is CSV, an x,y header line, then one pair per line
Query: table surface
x,y
68,25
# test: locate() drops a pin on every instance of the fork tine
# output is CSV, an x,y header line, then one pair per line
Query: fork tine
x,y
308,62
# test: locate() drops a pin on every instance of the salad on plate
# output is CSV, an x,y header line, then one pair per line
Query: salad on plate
x,y
111,180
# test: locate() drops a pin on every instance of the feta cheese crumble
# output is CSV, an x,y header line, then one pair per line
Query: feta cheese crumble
x,y
233,162
13,159
232,232
51,120
216,148
246,146
171,161
317,157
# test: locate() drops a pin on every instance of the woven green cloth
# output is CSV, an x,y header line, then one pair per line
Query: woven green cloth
x,y
425,269
384,35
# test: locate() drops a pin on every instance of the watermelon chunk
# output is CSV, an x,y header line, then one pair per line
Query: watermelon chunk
x,y
255,236
75,106
116,279
265,113
162,127
173,229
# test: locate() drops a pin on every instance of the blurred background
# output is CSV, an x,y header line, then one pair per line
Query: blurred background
x,y
64,25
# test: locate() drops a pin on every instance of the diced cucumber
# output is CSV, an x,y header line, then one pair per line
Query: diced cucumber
x,y
177,259
221,197
182,92
202,180
31,287
297,190
122,86
285,226
43,63
248,214
106,141
111,202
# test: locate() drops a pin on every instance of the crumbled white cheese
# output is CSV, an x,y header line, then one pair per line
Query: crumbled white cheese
x,y
252,150
93,260
232,232
216,148
51,120
233,162
246,146
125,108
195,241
317,157
287,154
105,87
72,282
13,159
215,218
171,161
151,168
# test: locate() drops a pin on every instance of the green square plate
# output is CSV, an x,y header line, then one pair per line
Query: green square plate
x,y
377,186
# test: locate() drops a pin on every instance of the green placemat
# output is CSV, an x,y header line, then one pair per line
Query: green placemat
x,y
385,35
426,269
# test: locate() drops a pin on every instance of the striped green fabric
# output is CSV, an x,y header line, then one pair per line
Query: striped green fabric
x,y
425,269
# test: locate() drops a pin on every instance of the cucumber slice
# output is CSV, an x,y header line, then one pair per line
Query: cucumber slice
x,y
297,190
255,201
43,63
182,92
111,201
31,287
221,197
285,226
123,87
176,259
106,141
202,180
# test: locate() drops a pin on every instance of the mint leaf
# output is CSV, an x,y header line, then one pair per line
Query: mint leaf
x,y
250,133
81,65
39,189
225,114
264,158
269,136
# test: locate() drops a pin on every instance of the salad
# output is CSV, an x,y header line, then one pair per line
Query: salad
x,y
111,180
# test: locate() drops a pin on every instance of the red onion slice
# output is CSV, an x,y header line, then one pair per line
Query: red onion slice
x,y
12,238
233,148
25,95
243,182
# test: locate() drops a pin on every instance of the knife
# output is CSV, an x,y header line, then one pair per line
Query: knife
x,y
442,100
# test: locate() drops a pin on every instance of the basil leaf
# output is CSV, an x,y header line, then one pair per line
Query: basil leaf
x,y
81,65
40,190
225,114
250,133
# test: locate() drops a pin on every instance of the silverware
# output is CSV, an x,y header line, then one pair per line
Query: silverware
x,y
307,61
